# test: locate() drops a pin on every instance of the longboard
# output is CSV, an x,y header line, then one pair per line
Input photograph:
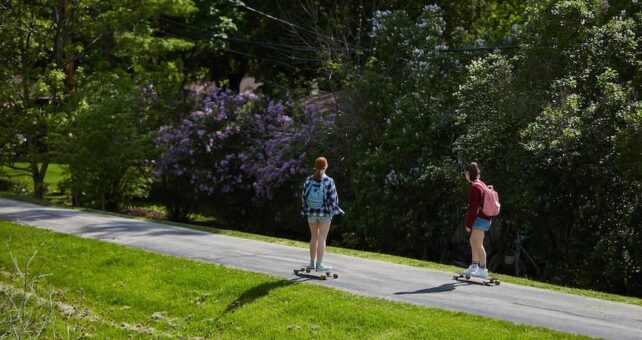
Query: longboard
x,y
319,275
467,277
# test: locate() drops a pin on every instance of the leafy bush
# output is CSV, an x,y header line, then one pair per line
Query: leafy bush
x,y
235,150
108,143
5,184
553,125
406,186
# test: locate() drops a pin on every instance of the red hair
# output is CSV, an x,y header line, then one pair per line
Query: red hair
x,y
320,164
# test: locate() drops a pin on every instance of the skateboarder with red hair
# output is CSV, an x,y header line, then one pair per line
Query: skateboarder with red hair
x,y
320,203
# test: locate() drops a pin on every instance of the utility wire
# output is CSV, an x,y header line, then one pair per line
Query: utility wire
x,y
476,49
272,17
276,46
272,45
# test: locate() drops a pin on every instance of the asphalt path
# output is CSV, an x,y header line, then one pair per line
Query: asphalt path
x,y
431,288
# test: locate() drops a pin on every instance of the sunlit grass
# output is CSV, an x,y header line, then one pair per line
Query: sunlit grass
x,y
118,291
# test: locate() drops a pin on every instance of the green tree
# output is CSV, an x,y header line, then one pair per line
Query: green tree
x,y
57,48
50,46
399,110
553,126
109,142
37,78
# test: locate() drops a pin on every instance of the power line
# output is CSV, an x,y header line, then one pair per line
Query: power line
x,y
275,61
242,4
311,49
269,16
271,45
276,46
265,44
450,50
476,49
282,62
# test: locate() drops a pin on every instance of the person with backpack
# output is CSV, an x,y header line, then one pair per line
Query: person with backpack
x,y
320,204
483,205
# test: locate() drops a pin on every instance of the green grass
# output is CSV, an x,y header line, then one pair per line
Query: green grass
x,y
115,291
53,176
368,255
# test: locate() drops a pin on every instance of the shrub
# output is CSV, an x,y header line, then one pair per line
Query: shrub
x,y
235,150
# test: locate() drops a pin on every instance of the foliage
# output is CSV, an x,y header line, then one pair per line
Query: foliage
x,y
552,126
33,84
106,165
399,113
234,148
556,123
52,47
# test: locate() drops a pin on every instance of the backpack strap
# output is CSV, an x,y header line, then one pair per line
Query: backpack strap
x,y
325,193
308,186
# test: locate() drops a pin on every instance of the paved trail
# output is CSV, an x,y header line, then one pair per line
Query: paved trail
x,y
431,288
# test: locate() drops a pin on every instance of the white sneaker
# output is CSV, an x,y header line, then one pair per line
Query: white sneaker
x,y
470,269
323,268
480,272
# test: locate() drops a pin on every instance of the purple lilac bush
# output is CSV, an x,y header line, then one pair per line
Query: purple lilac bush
x,y
239,142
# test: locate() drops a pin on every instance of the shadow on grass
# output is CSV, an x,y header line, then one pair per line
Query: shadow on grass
x,y
254,294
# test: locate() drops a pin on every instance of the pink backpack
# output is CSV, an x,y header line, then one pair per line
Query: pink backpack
x,y
491,202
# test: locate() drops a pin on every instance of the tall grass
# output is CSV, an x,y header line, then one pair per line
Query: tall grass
x,y
24,312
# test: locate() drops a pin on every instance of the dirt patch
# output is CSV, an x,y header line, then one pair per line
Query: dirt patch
x,y
142,212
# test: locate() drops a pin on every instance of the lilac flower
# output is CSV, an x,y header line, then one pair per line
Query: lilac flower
x,y
225,144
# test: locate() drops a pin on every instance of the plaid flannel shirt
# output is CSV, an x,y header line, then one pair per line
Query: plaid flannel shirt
x,y
331,203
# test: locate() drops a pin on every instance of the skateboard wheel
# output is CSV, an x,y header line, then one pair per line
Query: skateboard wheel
x,y
497,283
337,276
307,270
467,277
323,277
296,272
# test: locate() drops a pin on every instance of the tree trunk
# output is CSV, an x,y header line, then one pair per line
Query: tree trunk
x,y
38,176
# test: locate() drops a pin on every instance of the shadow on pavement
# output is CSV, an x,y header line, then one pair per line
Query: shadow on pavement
x,y
447,287
36,214
141,227
100,224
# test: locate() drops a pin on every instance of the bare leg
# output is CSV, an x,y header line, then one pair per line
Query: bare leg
x,y
477,243
473,249
314,239
324,228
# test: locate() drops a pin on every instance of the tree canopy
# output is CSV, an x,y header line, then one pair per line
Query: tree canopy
x,y
140,101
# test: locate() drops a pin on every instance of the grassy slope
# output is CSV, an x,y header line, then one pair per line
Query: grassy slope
x,y
117,290
374,256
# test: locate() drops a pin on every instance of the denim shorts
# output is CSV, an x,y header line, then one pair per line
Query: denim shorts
x,y
319,219
481,224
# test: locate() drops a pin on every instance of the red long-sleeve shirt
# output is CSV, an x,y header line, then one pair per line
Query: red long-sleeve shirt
x,y
475,203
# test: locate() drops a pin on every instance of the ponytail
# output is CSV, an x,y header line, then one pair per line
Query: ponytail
x,y
320,164
473,171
